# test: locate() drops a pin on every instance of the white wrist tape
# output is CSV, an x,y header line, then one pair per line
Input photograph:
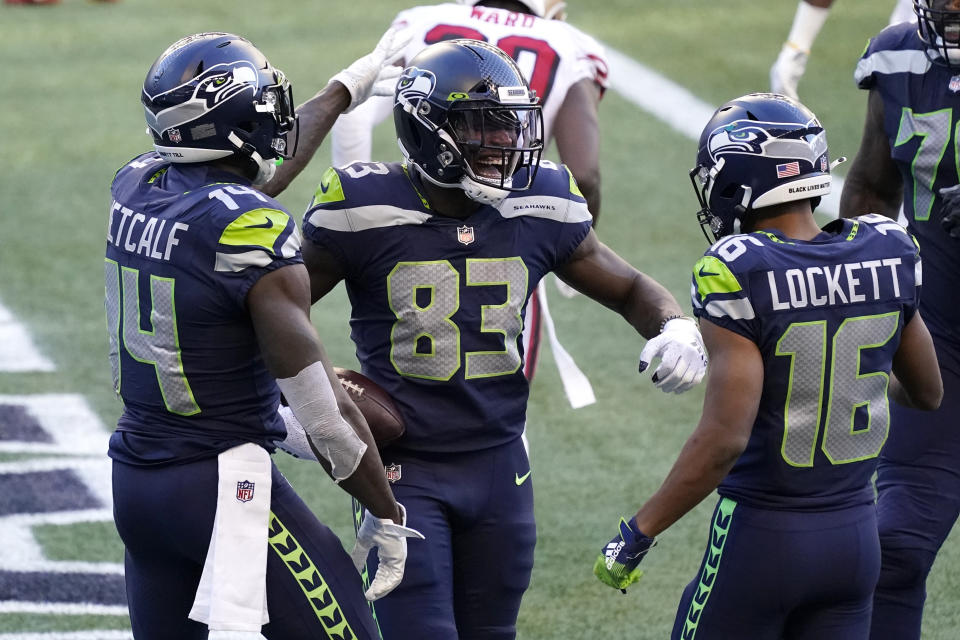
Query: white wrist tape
x,y
314,404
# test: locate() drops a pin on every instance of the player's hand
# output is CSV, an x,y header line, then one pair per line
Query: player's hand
x,y
617,564
374,73
390,539
951,211
683,358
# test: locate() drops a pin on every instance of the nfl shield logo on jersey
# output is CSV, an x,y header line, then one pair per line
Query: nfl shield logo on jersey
x,y
393,472
245,491
465,235
174,135
954,84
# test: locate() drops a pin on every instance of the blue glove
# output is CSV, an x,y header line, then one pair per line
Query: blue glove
x,y
617,564
951,211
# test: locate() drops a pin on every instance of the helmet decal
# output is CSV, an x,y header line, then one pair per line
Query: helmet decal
x,y
465,118
757,151
752,137
415,84
208,90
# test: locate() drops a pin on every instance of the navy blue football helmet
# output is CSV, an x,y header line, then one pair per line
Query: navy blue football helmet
x,y
938,24
465,118
213,95
758,150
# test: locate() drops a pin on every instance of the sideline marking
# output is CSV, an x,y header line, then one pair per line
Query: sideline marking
x,y
17,352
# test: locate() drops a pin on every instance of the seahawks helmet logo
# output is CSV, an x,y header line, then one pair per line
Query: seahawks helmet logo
x,y
414,86
207,91
761,139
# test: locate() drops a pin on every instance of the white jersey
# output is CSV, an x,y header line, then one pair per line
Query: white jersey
x,y
552,55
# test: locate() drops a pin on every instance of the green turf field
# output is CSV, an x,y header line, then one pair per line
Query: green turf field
x,y
70,116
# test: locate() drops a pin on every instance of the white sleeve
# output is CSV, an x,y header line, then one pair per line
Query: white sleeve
x,y
353,132
592,59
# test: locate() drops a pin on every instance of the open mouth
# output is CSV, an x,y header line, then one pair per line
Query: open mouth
x,y
951,32
491,167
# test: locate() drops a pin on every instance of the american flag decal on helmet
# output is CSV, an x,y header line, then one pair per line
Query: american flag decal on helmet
x,y
789,169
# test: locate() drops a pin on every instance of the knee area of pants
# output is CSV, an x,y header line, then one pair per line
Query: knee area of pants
x,y
905,568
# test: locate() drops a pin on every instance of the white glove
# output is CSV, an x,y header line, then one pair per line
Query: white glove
x,y
390,539
297,443
220,634
683,358
375,73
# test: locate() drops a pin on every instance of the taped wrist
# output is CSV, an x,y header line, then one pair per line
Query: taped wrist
x,y
314,404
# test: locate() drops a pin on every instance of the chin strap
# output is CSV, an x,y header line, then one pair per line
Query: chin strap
x,y
266,168
483,193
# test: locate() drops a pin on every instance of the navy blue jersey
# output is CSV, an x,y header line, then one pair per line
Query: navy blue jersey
x,y
437,302
826,315
921,103
184,245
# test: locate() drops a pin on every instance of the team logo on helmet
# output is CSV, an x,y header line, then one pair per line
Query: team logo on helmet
x,y
415,84
754,138
210,89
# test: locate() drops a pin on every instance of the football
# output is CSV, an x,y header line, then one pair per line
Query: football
x,y
376,405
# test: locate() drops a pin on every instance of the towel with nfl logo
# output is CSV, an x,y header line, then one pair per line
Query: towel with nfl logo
x,y
232,596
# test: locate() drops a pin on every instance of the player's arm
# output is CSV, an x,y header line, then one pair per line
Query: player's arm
x,y
916,381
372,74
729,410
873,183
315,117
324,269
595,270
577,134
279,307
730,407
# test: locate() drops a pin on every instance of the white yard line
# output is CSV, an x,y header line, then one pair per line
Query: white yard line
x,y
17,352
681,110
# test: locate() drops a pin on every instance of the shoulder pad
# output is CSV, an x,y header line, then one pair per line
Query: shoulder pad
x,y
896,49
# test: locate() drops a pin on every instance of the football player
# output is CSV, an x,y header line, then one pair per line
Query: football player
x,y
439,255
207,303
568,71
810,17
566,68
803,326
908,157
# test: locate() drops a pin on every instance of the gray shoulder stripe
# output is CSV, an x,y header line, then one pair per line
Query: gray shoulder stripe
x,y
887,62
363,218
550,207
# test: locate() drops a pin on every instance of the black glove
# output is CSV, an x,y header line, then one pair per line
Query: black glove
x,y
951,211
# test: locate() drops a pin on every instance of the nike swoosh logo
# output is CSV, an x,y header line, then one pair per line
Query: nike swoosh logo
x,y
520,479
266,225
704,274
324,187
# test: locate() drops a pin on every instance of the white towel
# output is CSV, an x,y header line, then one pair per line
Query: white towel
x,y
575,383
232,595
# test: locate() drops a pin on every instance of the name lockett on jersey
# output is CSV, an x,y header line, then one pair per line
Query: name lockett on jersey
x,y
847,283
